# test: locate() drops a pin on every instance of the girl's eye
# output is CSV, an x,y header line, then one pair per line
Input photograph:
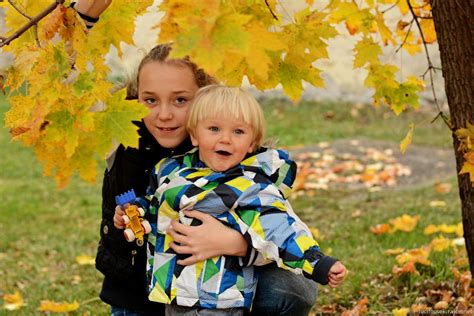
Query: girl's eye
x,y
181,100
239,131
214,129
150,101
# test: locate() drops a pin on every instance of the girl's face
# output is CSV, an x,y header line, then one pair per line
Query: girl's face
x,y
167,90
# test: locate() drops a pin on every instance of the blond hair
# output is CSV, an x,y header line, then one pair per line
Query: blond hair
x,y
161,53
216,100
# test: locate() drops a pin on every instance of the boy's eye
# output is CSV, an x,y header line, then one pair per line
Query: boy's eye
x,y
239,131
181,100
214,129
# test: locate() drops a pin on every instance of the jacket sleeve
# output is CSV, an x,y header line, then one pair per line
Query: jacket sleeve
x,y
269,224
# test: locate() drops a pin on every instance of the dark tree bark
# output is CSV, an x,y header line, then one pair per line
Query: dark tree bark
x,y
453,21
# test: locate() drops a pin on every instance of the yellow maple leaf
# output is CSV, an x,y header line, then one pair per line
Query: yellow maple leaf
x,y
315,232
395,251
384,31
428,29
13,302
366,51
401,311
85,260
440,244
437,203
408,139
405,223
417,255
57,307
431,229
468,168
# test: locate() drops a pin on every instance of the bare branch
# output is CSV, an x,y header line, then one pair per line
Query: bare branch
x,y
271,11
391,7
5,41
406,37
431,68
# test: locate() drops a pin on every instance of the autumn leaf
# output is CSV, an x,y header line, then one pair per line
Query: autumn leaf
x,y
443,188
85,260
405,223
408,267
427,27
401,311
418,255
381,229
395,251
359,309
408,139
56,307
366,51
13,302
437,203
315,232
440,244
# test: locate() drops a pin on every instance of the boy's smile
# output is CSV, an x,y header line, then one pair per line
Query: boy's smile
x,y
223,141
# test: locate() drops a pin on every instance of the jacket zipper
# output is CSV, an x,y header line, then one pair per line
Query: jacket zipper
x,y
134,252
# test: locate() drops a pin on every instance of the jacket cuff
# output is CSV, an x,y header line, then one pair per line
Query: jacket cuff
x,y
249,258
321,269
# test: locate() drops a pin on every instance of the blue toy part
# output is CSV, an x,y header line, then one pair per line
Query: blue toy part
x,y
124,198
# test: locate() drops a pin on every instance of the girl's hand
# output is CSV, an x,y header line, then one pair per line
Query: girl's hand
x,y
118,220
337,274
210,239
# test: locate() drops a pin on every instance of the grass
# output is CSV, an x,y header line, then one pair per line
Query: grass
x,y
44,229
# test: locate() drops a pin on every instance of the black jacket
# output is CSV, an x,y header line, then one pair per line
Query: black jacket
x,y
121,262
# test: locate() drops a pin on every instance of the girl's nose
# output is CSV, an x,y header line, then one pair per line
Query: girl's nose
x,y
164,112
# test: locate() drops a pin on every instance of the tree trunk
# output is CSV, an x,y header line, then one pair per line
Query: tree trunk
x,y
453,23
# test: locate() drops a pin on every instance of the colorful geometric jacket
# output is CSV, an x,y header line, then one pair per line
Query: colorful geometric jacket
x,y
250,198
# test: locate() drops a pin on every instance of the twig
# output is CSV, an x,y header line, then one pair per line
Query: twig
x,y
391,7
430,65
18,10
406,37
5,41
271,11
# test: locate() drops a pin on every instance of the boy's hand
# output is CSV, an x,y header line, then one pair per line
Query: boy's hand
x,y
118,220
336,274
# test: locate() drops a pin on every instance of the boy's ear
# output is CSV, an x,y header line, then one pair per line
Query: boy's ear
x,y
193,140
252,147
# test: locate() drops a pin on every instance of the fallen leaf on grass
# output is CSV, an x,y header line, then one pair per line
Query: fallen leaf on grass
x,y
400,311
417,255
315,232
406,268
405,223
13,302
440,244
443,187
443,228
419,308
359,309
437,203
380,229
395,251
441,305
85,259
56,307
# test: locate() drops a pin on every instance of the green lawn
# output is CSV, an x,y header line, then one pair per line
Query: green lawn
x,y
44,229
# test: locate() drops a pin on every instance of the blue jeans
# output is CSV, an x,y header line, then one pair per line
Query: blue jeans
x,y
281,292
119,311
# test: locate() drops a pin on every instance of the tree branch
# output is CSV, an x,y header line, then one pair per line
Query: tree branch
x,y
271,11
18,10
431,68
33,21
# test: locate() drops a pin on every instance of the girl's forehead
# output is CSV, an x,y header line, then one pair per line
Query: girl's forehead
x,y
166,77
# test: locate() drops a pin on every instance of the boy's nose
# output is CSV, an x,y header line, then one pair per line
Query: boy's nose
x,y
225,138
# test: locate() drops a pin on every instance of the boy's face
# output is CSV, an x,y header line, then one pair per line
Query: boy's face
x,y
167,90
223,141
